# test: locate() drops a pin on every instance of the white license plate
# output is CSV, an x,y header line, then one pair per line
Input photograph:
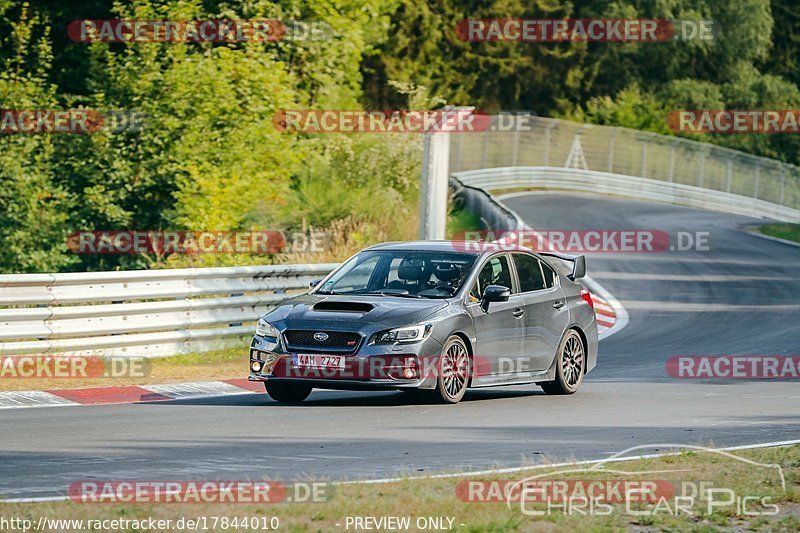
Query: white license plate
x,y
319,361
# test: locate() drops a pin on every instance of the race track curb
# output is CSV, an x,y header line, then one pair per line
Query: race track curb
x,y
127,394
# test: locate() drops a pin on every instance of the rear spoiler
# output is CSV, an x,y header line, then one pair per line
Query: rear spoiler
x,y
578,263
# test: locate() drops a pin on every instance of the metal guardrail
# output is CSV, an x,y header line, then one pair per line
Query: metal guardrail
x,y
478,201
141,313
571,179
530,141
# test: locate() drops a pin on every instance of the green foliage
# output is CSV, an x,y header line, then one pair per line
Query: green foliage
x,y
461,220
789,232
630,109
34,206
209,157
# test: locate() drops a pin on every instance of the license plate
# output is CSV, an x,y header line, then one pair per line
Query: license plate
x,y
319,361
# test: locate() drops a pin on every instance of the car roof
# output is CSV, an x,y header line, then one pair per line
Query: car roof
x,y
426,246
454,246
462,247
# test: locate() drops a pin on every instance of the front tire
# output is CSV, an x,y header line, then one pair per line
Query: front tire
x,y
454,371
287,392
570,366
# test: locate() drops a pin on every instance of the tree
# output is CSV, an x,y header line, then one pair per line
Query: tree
x,y
34,207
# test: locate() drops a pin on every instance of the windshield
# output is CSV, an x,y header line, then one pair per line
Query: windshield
x,y
410,274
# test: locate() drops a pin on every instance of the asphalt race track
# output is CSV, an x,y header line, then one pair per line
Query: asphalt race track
x,y
740,297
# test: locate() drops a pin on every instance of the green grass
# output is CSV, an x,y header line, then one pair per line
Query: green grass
x,y
438,497
230,363
461,220
789,232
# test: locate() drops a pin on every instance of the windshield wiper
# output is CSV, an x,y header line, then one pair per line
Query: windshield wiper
x,y
326,292
390,293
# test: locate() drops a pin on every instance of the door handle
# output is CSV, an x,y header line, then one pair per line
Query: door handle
x,y
558,304
518,313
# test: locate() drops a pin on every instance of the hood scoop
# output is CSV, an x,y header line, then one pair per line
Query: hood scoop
x,y
343,307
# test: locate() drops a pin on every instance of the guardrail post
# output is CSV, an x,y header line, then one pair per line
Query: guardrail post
x,y
671,162
758,178
485,149
701,178
459,151
783,183
611,150
515,146
644,159
234,295
728,176
547,144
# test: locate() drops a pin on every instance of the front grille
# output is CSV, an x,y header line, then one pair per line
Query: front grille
x,y
301,340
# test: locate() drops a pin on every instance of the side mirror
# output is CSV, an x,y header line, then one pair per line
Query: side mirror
x,y
579,269
313,283
494,293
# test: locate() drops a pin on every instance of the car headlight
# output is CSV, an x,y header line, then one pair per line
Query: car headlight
x,y
405,334
265,329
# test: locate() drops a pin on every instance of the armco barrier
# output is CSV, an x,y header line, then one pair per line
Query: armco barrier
x,y
478,201
606,183
523,140
144,312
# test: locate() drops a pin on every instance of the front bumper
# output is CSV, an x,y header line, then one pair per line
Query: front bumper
x,y
373,367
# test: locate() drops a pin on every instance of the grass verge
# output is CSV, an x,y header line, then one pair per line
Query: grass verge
x,y
789,232
207,366
747,491
461,220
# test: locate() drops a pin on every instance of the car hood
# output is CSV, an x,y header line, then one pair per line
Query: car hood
x,y
352,312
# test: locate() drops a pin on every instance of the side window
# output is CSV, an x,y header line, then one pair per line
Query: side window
x,y
475,292
496,271
530,276
549,275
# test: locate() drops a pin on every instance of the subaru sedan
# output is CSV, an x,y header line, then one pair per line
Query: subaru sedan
x,y
432,318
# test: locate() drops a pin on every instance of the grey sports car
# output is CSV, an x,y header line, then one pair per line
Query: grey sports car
x,y
435,318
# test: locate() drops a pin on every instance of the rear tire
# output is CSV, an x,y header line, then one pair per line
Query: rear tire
x,y
570,365
454,370
287,392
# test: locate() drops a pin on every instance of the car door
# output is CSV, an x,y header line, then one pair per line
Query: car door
x,y
546,315
499,331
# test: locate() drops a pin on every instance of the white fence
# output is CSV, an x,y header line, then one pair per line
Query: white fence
x,y
141,313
